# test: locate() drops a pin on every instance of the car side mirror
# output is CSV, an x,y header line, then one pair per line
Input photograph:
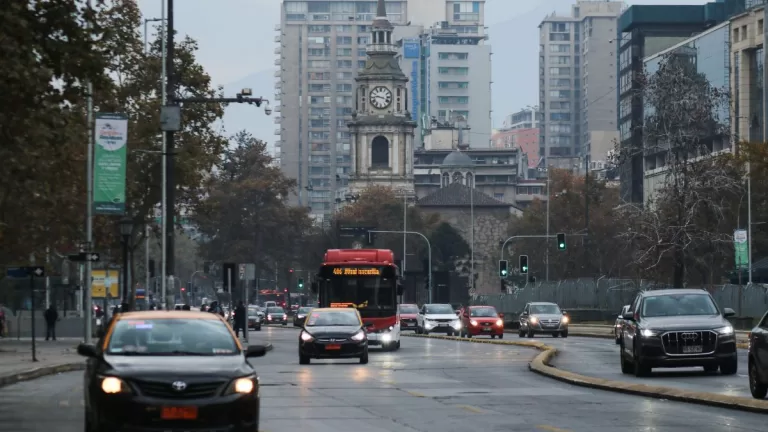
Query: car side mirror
x,y
565,312
728,312
88,350
255,351
630,316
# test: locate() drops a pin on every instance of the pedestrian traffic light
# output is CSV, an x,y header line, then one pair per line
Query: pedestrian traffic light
x,y
301,283
523,264
290,270
561,241
503,271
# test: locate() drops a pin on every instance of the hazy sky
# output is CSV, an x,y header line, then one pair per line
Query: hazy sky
x,y
236,39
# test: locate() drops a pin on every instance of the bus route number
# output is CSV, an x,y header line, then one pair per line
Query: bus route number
x,y
356,271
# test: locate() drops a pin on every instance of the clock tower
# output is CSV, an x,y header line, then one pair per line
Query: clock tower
x,y
381,128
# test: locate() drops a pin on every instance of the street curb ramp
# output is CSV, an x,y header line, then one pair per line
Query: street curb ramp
x,y
541,365
31,374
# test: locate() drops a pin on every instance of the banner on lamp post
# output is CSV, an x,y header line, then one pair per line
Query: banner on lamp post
x,y
109,166
740,249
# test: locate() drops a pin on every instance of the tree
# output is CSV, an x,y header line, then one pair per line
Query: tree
x,y
685,122
244,216
447,246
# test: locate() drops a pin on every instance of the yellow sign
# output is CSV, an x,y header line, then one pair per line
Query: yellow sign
x,y
100,282
356,271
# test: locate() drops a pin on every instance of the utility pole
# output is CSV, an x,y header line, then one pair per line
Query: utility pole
x,y
170,162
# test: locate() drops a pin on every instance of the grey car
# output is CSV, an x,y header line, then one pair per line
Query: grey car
x,y
543,318
677,328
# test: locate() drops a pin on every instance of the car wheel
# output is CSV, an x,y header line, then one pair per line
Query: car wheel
x,y
304,360
469,335
729,367
425,333
554,335
520,333
564,334
364,358
285,323
618,341
418,330
397,345
501,336
530,333
758,389
640,368
493,336
626,367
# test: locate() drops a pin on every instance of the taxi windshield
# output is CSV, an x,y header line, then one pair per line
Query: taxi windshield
x,y
409,309
332,319
275,310
545,309
482,312
171,336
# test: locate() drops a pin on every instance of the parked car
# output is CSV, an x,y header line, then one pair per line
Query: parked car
x,y
619,324
677,328
758,359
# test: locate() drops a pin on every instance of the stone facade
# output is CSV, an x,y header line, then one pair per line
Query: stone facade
x,y
490,228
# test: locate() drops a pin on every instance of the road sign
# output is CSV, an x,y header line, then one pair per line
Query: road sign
x,y
250,272
84,257
24,272
241,271
472,291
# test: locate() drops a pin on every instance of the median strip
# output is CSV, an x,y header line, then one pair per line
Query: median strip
x,y
541,365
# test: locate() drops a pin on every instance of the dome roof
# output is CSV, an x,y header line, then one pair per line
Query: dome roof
x,y
457,159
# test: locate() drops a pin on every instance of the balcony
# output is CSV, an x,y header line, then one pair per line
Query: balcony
x,y
278,120
277,38
278,96
278,132
277,27
278,73
278,108
278,50
277,62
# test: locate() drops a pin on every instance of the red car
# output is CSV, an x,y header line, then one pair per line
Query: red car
x,y
482,320
408,314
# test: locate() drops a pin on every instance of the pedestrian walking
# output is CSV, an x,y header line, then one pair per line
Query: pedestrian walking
x,y
240,318
51,316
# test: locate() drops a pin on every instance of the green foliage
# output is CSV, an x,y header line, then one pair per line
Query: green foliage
x,y
447,246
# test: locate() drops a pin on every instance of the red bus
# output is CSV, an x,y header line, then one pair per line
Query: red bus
x,y
366,279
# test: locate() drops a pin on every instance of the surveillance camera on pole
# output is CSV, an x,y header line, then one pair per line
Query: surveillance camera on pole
x,y
267,108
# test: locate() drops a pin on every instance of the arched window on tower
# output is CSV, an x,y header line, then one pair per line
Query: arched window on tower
x,y
470,180
446,180
458,178
380,152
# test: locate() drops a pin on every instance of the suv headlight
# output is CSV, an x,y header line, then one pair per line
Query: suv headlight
x,y
306,337
648,333
725,331
360,335
428,323
456,324
114,385
244,385
565,320
534,320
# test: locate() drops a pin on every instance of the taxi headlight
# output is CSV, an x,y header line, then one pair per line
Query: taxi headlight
x,y
473,322
306,337
725,331
244,385
360,335
565,320
500,323
534,320
114,385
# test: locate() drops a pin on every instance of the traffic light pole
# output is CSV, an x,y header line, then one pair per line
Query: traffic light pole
x,y
429,252
504,244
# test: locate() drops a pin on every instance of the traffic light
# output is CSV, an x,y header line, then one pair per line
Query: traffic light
x,y
561,241
290,270
301,283
229,272
503,271
523,264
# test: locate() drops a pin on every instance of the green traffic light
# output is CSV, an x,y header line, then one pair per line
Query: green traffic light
x,y
525,269
503,272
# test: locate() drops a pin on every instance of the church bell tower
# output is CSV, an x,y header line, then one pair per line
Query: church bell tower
x,y
381,129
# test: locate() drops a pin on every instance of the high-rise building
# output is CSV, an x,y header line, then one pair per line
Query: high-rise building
x,y
577,58
322,45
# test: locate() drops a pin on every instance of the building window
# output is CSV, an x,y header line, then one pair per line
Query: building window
x,y
453,71
453,84
470,180
343,40
559,48
452,56
380,152
559,27
446,180
458,178
344,52
559,37
453,100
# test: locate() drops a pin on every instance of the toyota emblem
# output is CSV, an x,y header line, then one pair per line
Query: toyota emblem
x,y
689,337
179,385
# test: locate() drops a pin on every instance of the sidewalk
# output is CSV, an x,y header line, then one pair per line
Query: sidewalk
x,y
52,357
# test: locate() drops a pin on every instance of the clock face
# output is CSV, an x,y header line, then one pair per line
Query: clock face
x,y
381,97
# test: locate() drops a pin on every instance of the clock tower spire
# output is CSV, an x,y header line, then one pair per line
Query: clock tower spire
x,y
382,129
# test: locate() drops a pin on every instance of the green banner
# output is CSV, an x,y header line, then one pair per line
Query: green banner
x,y
740,247
110,155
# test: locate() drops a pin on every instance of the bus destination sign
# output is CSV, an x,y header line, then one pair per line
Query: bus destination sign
x,y
356,271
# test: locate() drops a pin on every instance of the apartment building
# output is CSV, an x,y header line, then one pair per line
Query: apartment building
x,y
577,58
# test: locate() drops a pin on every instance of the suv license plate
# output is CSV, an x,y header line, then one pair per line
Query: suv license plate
x,y
693,349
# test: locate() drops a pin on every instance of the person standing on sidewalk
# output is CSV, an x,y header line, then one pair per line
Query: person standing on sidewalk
x,y
51,316
240,319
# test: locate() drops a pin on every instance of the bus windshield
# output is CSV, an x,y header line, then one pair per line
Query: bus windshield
x,y
364,292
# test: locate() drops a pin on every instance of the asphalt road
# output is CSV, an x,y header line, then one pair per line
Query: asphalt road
x,y
428,386
600,358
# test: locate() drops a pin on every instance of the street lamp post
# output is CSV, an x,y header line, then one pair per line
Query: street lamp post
x,y
126,228
146,32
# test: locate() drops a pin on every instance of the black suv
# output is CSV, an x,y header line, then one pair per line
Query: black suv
x,y
758,359
677,328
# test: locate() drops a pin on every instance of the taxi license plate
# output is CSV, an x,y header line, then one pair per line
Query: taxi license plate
x,y
693,349
179,413
333,347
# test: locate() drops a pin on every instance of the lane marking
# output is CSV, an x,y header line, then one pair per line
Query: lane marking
x,y
549,428
472,409
64,403
414,394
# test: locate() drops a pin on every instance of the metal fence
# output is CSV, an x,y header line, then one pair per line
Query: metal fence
x,y
605,297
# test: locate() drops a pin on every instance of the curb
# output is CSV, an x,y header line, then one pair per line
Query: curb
x,y
540,365
740,345
40,372
44,371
